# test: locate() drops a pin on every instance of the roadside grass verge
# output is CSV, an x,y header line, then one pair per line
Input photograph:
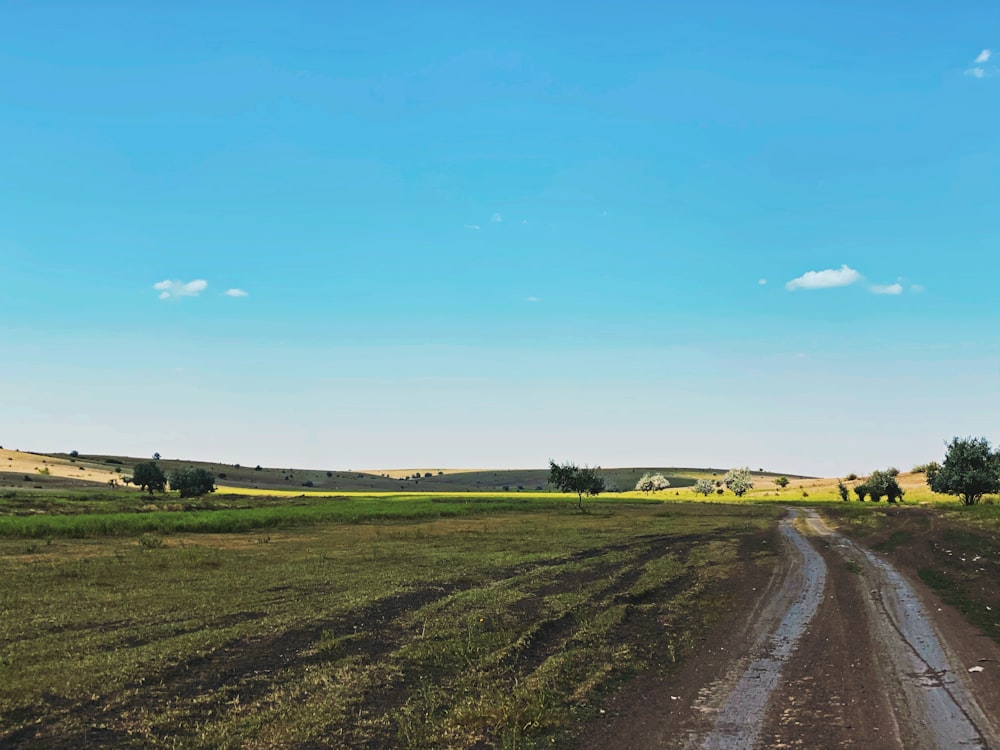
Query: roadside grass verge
x,y
960,591
498,629
953,549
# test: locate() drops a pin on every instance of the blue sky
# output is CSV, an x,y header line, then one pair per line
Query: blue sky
x,y
451,234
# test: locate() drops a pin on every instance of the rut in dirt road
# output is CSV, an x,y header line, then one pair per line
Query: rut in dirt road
x,y
934,708
739,719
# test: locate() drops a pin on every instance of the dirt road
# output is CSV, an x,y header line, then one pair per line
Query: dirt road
x,y
837,650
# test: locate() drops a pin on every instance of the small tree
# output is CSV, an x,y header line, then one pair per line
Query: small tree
x,y
156,456
704,487
875,490
883,484
149,477
74,454
929,468
970,470
191,482
652,483
781,482
861,491
894,492
845,494
572,478
738,481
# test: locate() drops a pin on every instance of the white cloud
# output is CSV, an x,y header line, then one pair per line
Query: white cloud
x,y
886,289
977,70
762,282
916,288
497,218
174,289
474,227
831,277
235,293
534,299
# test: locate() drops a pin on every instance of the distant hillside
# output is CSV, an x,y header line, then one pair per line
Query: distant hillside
x,y
61,470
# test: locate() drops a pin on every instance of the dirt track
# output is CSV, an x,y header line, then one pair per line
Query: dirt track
x,y
837,650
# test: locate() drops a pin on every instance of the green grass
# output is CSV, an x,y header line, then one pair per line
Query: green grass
x,y
953,588
501,628
268,513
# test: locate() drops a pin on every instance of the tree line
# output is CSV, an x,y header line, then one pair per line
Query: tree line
x,y
970,470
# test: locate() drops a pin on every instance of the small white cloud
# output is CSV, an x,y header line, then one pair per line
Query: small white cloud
x,y
496,218
534,299
524,221
830,277
762,282
235,293
473,227
174,289
886,289
976,72
916,288
983,56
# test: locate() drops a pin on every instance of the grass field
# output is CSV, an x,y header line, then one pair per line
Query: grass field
x,y
421,631
259,617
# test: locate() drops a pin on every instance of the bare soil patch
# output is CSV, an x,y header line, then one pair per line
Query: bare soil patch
x,y
655,710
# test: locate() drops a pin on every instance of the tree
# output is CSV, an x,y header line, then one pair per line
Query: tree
x,y
861,491
781,482
191,482
149,477
883,484
738,481
970,470
845,494
652,483
572,478
156,456
894,491
704,487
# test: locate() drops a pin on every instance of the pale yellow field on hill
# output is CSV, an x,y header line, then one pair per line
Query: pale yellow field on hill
x,y
33,465
914,484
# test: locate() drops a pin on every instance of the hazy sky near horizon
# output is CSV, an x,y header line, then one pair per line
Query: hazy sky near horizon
x,y
451,234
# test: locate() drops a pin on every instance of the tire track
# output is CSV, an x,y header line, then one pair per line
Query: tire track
x,y
935,709
739,718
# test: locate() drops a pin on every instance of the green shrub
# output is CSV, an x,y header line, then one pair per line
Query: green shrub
x,y
192,482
